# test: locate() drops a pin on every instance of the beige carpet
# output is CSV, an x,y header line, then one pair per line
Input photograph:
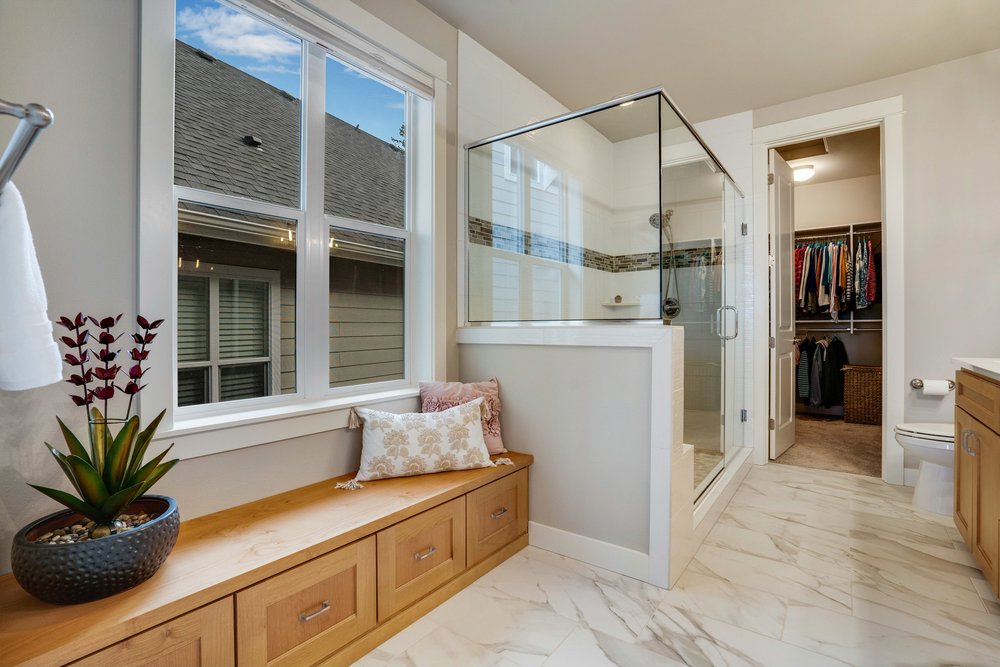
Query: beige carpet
x,y
833,444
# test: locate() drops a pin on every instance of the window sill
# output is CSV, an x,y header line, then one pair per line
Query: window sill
x,y
211,435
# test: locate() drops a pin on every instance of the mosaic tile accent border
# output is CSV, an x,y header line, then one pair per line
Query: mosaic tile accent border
x,y
502,237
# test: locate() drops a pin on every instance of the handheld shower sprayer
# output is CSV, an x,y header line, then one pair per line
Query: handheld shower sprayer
x,y
671,304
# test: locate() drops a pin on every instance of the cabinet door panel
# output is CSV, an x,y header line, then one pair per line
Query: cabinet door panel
x,y
986,515
202,638
965,476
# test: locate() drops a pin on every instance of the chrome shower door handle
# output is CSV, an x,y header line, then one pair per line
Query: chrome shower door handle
x,y
736,323
717,324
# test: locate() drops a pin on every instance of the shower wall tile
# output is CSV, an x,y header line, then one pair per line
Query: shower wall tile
x,y
502,237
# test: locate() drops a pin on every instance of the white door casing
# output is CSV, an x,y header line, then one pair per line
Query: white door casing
x,y
782,230
887,114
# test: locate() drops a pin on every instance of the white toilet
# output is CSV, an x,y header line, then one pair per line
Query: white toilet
x,y
934,446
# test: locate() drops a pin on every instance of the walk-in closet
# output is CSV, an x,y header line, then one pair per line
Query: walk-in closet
x,y
837,286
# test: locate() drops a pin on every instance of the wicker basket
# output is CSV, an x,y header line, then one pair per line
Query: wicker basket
x,y
863,394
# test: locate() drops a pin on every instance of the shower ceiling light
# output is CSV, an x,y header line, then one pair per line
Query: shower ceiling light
x,y
803,173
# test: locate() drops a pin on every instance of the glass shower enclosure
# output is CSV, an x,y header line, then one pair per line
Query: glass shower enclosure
x,y
616,213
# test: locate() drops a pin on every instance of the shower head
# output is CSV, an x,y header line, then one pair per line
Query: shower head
x,y
654,220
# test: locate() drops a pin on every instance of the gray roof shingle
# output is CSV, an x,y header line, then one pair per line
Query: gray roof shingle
x,y
217,105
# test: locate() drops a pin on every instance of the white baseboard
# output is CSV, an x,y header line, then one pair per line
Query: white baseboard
x,y
609,556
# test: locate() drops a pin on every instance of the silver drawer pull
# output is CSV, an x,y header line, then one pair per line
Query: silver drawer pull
x,y
499,513
425,555
325,607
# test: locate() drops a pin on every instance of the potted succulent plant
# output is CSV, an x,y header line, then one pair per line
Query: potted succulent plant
x,y
113,536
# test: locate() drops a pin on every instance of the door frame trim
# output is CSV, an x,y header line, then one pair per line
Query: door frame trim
x,y
887,114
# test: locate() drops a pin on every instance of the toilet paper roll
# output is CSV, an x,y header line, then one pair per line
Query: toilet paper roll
x,y
936,388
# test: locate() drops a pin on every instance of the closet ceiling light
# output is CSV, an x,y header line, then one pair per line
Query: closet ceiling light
x,y
803,173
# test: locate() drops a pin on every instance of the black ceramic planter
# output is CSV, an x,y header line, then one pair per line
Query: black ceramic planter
x,y
97,568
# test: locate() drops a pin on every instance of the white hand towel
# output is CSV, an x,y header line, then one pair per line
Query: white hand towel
x,y
29,357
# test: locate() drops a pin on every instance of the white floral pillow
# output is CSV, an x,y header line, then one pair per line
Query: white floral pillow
x,y
416,443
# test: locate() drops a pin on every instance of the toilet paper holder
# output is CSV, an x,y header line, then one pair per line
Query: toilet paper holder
x,y
917,383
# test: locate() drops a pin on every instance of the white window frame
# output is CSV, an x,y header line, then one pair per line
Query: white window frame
x,y
314,407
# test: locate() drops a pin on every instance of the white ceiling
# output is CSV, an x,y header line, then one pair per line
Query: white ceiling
x,y
717,57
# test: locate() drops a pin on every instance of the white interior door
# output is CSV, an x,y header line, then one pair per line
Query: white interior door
x,y
782,227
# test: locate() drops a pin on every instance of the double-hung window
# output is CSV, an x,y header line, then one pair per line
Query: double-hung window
x,y
302,166
529,208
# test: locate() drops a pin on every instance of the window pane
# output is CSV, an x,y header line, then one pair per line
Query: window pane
x,y
546,203
244,318
365,147
546,293
192,318
192,386
506,290
243,381
366,307
237,110
245,268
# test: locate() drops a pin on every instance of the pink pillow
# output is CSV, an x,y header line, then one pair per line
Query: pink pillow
x,y
438,396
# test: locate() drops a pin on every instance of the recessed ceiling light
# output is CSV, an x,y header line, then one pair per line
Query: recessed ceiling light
x,y
627,104
803,173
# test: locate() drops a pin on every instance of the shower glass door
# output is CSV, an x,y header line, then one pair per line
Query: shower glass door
x,y
696,218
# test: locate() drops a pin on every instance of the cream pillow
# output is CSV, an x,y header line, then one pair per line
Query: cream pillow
x,y
416,443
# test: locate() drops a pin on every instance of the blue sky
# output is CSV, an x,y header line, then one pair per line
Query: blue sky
x,y
275,57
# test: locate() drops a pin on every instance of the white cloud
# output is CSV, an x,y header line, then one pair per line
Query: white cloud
x,y
355,73
228,32
271,69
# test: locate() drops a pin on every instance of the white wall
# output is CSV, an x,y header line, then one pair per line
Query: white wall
x,y
79,185
951,145
589,444
849,201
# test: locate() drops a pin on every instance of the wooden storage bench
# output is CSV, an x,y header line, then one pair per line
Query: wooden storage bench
x,y
314,576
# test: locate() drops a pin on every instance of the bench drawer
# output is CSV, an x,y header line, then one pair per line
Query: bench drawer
x,y
202,638
497,515
419,554
979,397
308,612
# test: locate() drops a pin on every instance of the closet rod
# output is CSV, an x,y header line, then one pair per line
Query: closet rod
x,y
34,118
836,236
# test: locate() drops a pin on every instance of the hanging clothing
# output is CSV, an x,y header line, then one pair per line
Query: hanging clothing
x,y
861,275
805,348
870,276
816,373
832,379
833,277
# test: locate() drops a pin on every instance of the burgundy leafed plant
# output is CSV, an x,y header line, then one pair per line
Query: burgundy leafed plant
x,y
98,373
111,475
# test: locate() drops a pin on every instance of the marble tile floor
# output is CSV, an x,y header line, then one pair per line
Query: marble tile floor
x,y
804,568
